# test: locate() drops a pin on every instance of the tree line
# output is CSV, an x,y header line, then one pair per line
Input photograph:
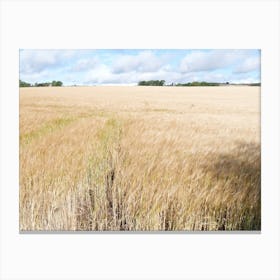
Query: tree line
x,y
152,83
46,84
191,84
162,83
197,84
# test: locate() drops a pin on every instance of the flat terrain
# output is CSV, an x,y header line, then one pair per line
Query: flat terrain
x,y
140,158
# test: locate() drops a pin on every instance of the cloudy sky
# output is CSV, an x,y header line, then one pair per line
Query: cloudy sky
x,y
107,67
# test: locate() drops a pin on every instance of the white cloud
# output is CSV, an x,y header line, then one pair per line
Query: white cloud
x,y
35,61
103,75
36,76
199,61
145,61
248,65
85,64
32,62
248,80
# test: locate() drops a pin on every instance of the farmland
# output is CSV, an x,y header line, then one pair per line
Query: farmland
x,y
140,158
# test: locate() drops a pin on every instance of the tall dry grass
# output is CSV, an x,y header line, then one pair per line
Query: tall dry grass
x,y
131,158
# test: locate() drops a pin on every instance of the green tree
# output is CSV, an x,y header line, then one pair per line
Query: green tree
x,y
152,83
24,84
42,84
57,83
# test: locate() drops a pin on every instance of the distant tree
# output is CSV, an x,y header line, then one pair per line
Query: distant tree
x,y
200,84
255,84
56,84
42,84
152,83
47,84
24,84
142,83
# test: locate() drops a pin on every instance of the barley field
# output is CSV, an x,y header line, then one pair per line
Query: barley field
x,y
140,158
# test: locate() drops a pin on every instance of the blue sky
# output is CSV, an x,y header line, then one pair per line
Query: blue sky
x,y
127,67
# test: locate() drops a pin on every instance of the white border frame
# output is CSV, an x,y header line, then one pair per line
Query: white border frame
x,y
140,24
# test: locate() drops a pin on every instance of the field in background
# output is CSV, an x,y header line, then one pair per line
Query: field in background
x,y
140,158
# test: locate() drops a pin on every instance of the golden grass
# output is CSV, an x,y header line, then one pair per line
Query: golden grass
x,y
140,158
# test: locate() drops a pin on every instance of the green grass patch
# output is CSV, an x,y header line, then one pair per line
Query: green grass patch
x,y
47,128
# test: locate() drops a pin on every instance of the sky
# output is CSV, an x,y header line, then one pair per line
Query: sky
x,y
128,66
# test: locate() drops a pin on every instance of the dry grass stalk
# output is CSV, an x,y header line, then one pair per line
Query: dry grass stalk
x,y
140,158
